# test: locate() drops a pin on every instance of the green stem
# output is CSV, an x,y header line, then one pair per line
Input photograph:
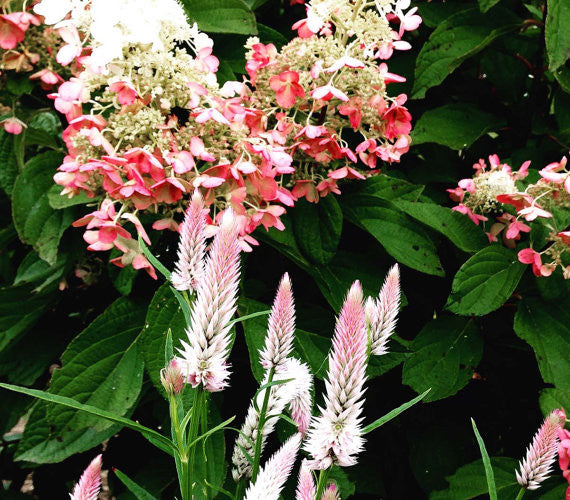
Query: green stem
x,y
204,428
259,434
321,485
521,494
182,459
193,431
240,490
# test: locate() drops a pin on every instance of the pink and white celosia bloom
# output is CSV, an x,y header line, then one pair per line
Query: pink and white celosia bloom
x,y
296,393
382,313
299,393
541,454
281,327
89,484
204,356
274,474
191,247
335,436
306,488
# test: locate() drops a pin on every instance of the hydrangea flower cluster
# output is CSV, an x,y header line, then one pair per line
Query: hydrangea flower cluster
x,y
564,455
26,45
494,188
149,124
329,83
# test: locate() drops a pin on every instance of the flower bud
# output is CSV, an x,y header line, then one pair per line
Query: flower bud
x,y
171,378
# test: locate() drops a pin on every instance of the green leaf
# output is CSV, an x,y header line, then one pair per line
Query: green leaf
x,y
8,162
163,315
317,228
485,5
401,237
221,16
456,125
212,448
19,84
557,33
30,357
551,399
486,463
389,188
445,354
57,201
134,488
469,481
123,278
394,413
433,14
34,270
47,121
16,320
544,325
153,260
459,37
562,75
485,281
38,137
37,223
101,368
153,436
455,226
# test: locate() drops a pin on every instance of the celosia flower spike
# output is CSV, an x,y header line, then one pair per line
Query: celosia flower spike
x,y
300,402
541,454
382,314
335,437
89,484
281,327
191,247
204,355
296,393
274,474
306,489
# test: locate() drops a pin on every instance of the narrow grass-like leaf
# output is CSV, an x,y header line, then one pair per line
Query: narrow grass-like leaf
x,y
394,413
487,463
249,316
267,386
154,437
184,305
134,488
218,427
153,260
168,348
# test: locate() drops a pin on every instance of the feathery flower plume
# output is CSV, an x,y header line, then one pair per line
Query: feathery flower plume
x,y
89,484
296,393
204,356
274,474
331,493
335,436
306,489
281,327
301,403
541,454
382,313
192,246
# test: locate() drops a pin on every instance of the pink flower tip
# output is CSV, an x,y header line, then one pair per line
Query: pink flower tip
x,y
89,484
